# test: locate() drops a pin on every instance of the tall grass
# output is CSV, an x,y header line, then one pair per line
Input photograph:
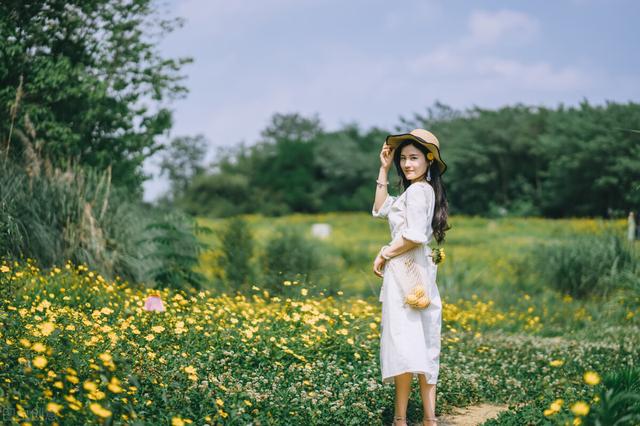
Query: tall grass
x,y
55,215
587,264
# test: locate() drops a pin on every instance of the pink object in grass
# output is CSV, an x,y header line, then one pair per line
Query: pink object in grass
x,y
154,303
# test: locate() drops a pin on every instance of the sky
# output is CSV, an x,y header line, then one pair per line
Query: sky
x,y
372,61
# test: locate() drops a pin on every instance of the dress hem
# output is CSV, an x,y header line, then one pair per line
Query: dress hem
x,y
389,379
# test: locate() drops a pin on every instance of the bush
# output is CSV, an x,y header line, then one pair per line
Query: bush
x,y
586,264
175,249
289,259
237,250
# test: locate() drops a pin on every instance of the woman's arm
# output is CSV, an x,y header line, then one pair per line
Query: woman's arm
x,y
381,189
398,247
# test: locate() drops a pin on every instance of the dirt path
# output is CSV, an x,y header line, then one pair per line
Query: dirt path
x,y
470,416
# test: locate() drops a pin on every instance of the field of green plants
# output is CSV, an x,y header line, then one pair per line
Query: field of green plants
x,y
539,314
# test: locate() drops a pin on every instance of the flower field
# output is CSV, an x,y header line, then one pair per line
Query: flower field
x,y
80,349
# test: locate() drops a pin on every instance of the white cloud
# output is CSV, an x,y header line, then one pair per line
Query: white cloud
x,y
441,59
538,75
488,28
467,57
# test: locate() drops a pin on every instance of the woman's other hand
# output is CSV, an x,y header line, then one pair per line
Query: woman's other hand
x,y
386,156
378,265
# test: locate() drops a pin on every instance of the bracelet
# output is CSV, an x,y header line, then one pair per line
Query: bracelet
x,y
381,183
382,254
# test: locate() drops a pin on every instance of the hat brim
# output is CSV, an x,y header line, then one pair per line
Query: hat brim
x,y
394,140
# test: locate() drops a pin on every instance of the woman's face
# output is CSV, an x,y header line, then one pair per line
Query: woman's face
x,y
413,163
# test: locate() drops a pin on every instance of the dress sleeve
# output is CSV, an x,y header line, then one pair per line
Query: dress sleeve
x,y
385,208
419,212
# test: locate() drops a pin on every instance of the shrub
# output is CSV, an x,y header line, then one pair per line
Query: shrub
x,y
237,250
289,259
176,249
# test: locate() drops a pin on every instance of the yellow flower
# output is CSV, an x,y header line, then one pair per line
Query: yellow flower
x,y
105,357
556,363
177,421
38,347
99,410
157,329
90,386
114,385
577,421
219,402
149,337
556,405
40,362
4,269
580,408
54,408
190,369
46,328
304,291
591,378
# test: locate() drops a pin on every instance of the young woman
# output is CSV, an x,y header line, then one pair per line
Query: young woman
x,y
410,338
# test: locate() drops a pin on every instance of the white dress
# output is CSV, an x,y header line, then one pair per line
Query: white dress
x,y
410,338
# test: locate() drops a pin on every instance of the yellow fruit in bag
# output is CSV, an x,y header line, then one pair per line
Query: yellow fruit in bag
x,y
411,299
422,302
418,291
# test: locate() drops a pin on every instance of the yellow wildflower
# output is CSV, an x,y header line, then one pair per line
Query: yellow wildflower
x,y
54,408
38,347
46,328
591,378
580,408
99,410
40,362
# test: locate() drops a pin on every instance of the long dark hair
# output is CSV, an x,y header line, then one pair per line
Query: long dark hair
x,y
441,209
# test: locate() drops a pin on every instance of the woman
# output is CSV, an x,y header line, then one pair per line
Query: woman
x,y
410,338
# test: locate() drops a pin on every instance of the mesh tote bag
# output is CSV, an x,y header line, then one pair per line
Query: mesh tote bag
x,y
413,273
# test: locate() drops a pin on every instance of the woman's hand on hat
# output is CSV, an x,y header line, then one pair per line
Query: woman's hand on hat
x,y
386,156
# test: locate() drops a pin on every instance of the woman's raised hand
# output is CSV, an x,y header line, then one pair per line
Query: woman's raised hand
x,y
386,156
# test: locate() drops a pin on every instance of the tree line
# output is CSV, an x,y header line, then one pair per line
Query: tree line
x,y
517,160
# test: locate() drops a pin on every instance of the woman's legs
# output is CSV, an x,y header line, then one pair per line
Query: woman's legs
x,y
428,394
403,389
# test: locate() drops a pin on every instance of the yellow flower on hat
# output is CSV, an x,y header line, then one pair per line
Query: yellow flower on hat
x,y
430,156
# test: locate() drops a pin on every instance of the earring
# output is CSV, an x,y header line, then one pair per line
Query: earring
x,y
429,174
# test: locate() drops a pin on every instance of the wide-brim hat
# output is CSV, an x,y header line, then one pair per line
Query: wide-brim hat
x,y
423,137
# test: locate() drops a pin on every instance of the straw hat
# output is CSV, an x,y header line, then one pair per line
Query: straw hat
x,y
424,137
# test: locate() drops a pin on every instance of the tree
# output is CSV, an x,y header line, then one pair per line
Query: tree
x,y
88,75
182,161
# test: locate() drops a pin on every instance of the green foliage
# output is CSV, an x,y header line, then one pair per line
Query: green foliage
x,y
290,257
237,248
619,402
175,251
586,264
89,77
514,161
182,162
54,216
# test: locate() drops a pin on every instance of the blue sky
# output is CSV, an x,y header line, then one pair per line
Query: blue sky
x,y
371,62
